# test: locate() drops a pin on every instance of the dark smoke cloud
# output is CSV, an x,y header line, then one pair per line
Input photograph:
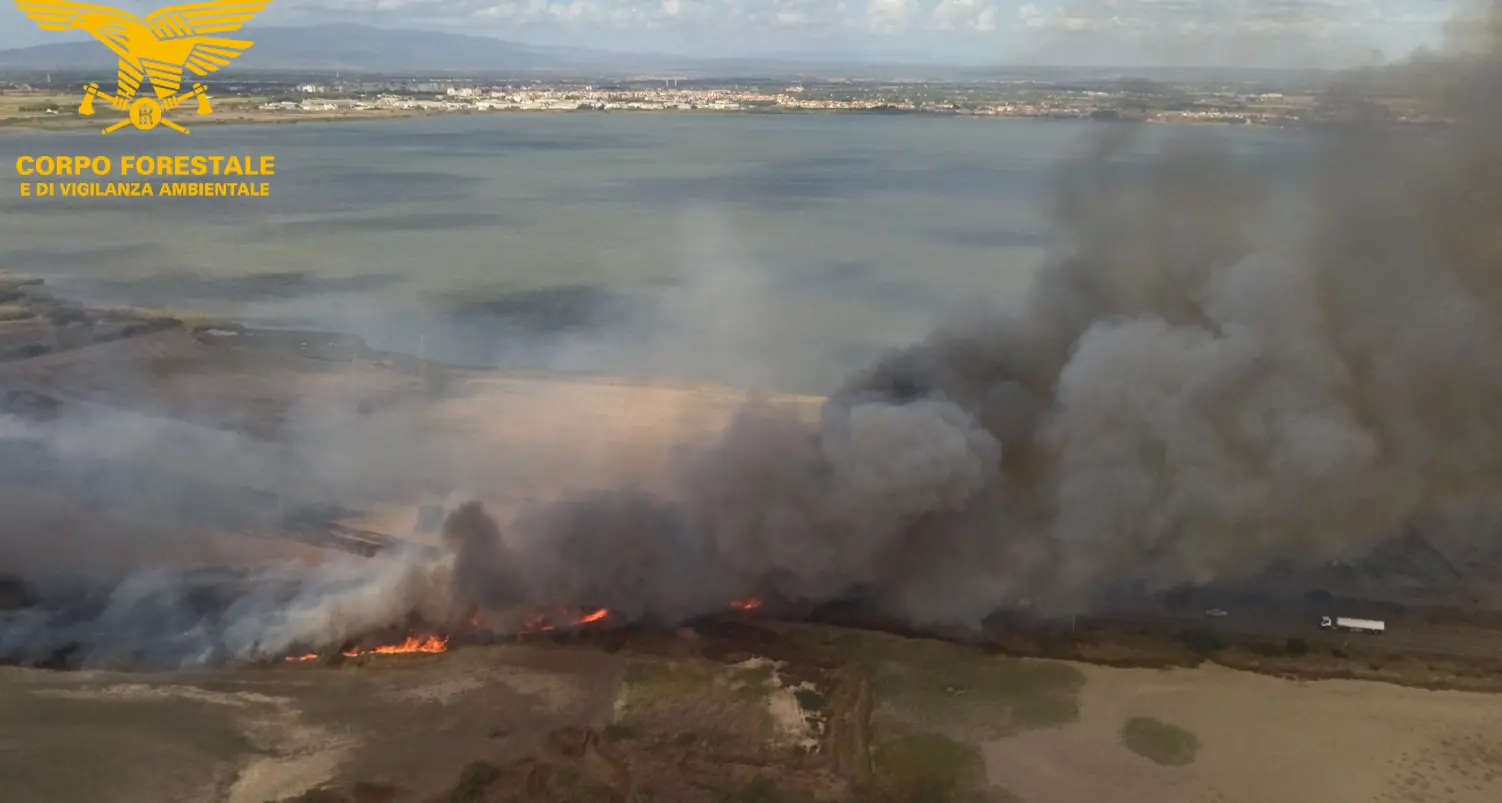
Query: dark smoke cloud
x,y
1194,391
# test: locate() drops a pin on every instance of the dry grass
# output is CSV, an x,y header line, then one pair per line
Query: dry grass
x,y
354,793
933,704
947,725
193,320
1431,672
1257,738
1161,648
694,701
962,690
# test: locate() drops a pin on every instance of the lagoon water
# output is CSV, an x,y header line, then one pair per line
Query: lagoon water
x,y
773,251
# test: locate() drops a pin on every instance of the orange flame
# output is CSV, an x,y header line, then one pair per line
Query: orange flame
x,y
312,656
537,624
431,644
745,604
542,622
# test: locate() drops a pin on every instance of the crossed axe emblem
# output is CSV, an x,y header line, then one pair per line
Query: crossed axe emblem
x,y
145,113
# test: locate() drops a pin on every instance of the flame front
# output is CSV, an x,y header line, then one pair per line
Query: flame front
x,y
542,622
413,644
592,617
539,623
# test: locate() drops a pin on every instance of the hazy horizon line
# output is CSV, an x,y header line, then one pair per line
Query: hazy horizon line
x,y
795,57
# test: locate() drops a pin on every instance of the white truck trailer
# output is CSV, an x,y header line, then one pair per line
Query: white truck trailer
x,y
1348,624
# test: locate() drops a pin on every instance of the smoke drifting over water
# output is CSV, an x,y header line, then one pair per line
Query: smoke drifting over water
x,y
1190,394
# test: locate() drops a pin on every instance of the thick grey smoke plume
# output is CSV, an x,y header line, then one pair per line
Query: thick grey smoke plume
x,y
1210,377
116,584
175,617
1197,388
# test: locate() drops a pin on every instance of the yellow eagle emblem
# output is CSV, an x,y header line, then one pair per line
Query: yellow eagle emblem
x,y
155,49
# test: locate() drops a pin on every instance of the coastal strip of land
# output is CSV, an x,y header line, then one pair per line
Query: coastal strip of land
x,y
54,105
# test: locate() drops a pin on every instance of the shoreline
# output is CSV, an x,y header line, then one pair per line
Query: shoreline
x,y
68,125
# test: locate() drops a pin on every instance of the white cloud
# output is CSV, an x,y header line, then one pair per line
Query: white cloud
x,y
951,15
1148,17
1062,19
606,12
1054,31
722,13
1207,18
892,16
1288,33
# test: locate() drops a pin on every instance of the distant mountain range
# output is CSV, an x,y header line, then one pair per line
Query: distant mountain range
x,y
356,48
367,49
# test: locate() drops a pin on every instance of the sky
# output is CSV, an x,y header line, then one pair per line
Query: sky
x,y
1259,33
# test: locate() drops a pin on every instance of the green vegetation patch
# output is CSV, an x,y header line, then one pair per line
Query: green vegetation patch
x,y
650,682
1202,642
357,793
762,789
1159,742
474,779
810,700
722,704
934,703
928,767
618,732
931,769
964,692
570,784
751,682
